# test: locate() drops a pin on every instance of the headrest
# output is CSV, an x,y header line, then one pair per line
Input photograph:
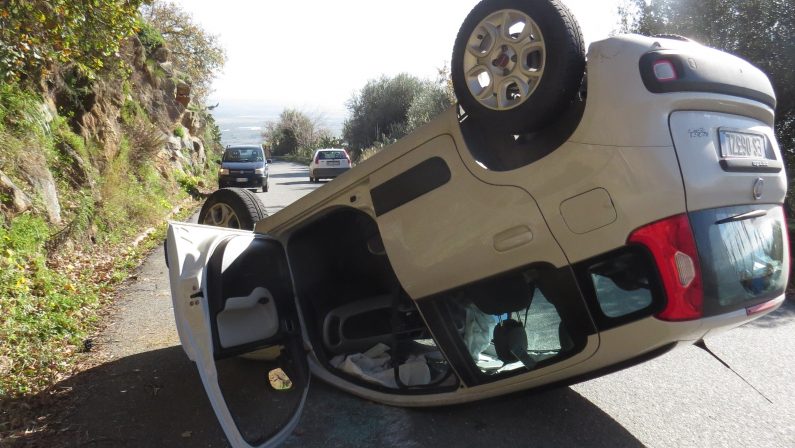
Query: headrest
x,y
500,295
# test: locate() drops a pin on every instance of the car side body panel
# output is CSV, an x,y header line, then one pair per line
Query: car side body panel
x,y
618,171
463,230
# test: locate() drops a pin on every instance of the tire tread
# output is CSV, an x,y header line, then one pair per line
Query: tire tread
x,y
235,198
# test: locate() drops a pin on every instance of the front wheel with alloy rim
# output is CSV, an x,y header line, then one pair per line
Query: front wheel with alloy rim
x,y
233,208
518,64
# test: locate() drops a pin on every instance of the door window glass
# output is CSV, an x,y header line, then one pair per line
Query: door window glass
x,y
622,285
518,322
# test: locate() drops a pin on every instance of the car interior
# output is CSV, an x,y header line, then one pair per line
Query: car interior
x,y
361,322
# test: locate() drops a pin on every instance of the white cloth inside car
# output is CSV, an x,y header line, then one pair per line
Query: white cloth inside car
x,y
374,366
478,331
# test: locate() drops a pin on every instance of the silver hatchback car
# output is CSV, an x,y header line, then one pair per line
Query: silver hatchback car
x,y
328,164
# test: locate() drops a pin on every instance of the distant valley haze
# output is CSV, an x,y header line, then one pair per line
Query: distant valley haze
x,y
242,121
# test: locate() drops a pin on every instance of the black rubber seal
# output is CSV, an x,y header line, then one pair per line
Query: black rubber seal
x,y
409,185
709,78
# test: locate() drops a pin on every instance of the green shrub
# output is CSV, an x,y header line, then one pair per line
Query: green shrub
x,y
19,110
42,315
74,90
155,70
150,37
188,182
179,131
131,110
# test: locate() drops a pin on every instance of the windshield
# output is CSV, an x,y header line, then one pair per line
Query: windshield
x,y
243,155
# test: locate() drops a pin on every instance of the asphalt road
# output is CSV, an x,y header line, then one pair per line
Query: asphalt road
x,y
146,392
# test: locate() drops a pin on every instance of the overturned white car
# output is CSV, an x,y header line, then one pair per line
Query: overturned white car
x,y
550,228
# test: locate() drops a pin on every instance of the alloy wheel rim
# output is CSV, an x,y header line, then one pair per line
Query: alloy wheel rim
x,y
222,215
504,59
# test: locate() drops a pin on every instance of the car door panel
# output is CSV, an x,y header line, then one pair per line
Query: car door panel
x,y
448,234
453,232
231,297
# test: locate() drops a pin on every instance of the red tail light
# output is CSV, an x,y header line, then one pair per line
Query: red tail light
x,y
673,246
317,158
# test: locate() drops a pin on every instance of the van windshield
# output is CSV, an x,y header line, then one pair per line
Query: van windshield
x,y
243,155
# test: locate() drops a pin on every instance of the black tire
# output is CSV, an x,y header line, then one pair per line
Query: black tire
x,y
560,82
248,210
265,185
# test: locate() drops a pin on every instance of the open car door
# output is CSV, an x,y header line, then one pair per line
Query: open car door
x,y
236,316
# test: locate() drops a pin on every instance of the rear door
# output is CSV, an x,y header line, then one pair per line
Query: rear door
x,y
236,317
735,184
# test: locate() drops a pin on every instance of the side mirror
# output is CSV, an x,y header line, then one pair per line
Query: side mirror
x,y
270,160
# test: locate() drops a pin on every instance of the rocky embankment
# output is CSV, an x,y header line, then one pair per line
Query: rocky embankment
x,y
153,103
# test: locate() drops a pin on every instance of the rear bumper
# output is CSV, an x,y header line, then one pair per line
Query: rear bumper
x,y
718,324
328,172
250,180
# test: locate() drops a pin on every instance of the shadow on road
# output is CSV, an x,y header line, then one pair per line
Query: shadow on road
x,y
156,399
299,182
298,172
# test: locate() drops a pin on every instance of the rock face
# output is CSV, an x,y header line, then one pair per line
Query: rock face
x,y
12,197
162,55
192,122
198,155
79,175
108,112
155,85
40,178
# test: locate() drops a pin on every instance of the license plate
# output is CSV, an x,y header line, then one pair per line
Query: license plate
x,y
735,144
242,179
333,162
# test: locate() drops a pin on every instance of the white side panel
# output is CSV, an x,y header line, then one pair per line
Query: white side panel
x,y
247,319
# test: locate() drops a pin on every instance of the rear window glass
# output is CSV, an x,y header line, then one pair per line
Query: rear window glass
x,y
243,155
331,155
742,252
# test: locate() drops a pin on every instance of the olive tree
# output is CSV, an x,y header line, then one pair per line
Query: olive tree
x,y
760,31
196,53
35,34
295,131
387,109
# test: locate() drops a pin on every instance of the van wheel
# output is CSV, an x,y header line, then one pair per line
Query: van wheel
x,y
233,208
518,64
